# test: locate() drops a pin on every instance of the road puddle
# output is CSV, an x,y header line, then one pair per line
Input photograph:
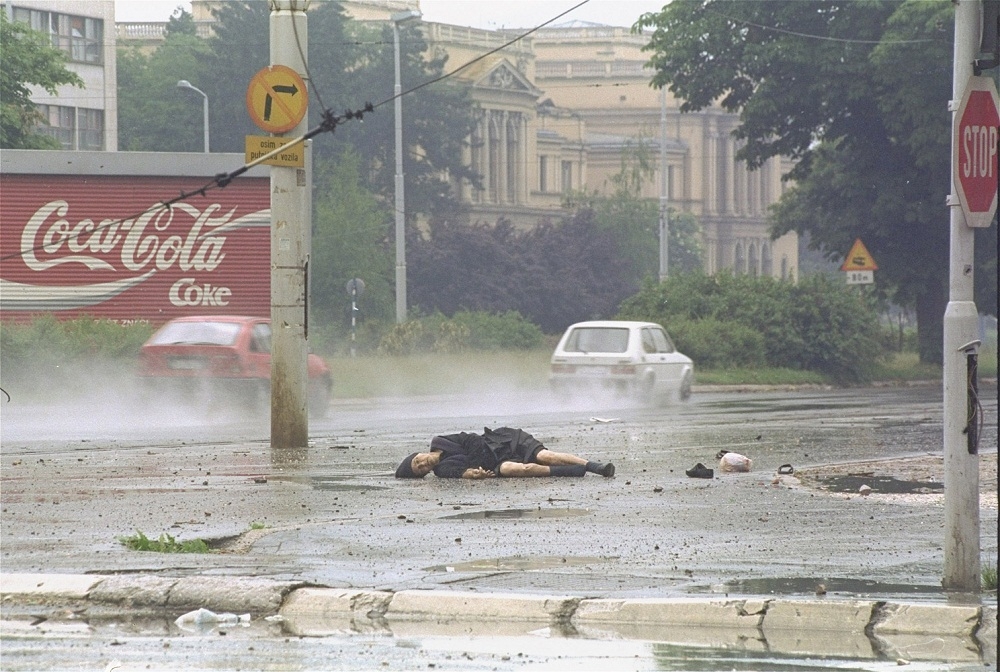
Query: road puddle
x,y
822,586
516,563
879,484
329,483
518,513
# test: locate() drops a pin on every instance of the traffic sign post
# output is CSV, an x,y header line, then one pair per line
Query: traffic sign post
x,y
974,148
971,167
277,99
859,265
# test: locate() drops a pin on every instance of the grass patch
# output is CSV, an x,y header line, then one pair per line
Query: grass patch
x,y
371,376
763,376
375,376
989,575
164,544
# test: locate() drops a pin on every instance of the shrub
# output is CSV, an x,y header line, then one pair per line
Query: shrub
x,y
817,324
466,330
718,344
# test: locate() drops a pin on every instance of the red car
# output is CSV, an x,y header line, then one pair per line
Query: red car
x,y
223,354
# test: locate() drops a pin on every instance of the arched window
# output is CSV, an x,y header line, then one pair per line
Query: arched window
x,y
766,262
739,260
752,268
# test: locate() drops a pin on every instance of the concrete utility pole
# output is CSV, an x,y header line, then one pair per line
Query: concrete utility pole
x,y
291,246
397,93
961,335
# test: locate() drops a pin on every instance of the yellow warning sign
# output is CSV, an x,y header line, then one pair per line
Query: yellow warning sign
x,y
277,99
859,259
291,156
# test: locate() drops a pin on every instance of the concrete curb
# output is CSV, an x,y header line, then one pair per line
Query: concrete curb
x,y
855,628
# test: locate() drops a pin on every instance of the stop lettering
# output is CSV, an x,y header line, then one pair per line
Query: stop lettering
x,y
975,151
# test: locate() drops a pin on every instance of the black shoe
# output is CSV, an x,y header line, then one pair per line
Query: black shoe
x,y
608,470
785,469
700,471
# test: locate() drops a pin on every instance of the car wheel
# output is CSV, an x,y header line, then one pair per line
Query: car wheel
x,y
685,391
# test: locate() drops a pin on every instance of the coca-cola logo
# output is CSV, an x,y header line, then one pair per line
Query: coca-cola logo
x,y
186,292
159,239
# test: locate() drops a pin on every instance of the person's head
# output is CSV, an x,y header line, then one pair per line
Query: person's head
x,y
417,465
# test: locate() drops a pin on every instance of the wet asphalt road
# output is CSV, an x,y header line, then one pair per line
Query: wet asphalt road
x,y
77,476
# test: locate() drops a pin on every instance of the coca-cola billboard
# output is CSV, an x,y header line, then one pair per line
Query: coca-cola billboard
x,y
100,246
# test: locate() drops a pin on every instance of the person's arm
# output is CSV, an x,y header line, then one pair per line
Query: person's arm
x,y
477,473
453,466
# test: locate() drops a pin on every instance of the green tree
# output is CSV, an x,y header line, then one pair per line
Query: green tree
x,y
856,93
351,64
28,59
635,221
349,241
153,113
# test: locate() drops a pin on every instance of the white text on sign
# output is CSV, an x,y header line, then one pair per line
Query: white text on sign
x,y
979,150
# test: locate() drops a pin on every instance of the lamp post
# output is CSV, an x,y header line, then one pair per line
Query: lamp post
x,y
397,19
185,84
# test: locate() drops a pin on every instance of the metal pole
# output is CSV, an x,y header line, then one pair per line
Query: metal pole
x,y
961,333
664,186
185,84
291,213
400,216
205,110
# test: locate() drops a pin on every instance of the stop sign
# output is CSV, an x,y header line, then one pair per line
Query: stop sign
x,y
974,151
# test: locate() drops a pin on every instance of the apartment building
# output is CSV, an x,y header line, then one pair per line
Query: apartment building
x,y
79,118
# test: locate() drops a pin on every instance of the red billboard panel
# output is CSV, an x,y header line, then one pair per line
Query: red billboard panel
x,y
75,245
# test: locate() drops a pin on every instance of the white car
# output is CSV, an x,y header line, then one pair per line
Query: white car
x,y
635,358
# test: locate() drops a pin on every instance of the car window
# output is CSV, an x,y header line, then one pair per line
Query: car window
x,y
261,341
663,343
197,333
597,339
648,344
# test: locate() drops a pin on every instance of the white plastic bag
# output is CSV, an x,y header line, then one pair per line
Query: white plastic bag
x,y
734,462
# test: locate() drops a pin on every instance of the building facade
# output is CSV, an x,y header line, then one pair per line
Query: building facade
x,y
79,118
561,109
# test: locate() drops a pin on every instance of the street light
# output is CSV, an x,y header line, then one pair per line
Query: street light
x,y
185,84
397,19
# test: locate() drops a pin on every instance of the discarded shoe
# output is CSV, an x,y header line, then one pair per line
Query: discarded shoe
x,y
785,470
700,471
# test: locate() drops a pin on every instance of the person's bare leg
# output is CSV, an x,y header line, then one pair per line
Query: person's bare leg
x,y
551,457
518,470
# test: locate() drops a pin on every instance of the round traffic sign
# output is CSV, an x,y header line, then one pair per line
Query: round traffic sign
x,y
277,99
975,151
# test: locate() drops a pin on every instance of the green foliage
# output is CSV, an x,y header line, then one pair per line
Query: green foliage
x,y
153,113
554,275
28,59
816,325
717,344
864,123
464,331
48,341
164,544
989,572
634,221
349,241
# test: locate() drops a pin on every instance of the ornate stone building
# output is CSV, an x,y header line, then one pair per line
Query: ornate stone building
x,y
560,109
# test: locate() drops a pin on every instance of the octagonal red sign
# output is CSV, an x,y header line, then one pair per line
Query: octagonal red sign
x,y
975,151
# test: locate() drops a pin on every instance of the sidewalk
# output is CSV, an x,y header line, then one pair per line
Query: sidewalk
x,y
848,628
